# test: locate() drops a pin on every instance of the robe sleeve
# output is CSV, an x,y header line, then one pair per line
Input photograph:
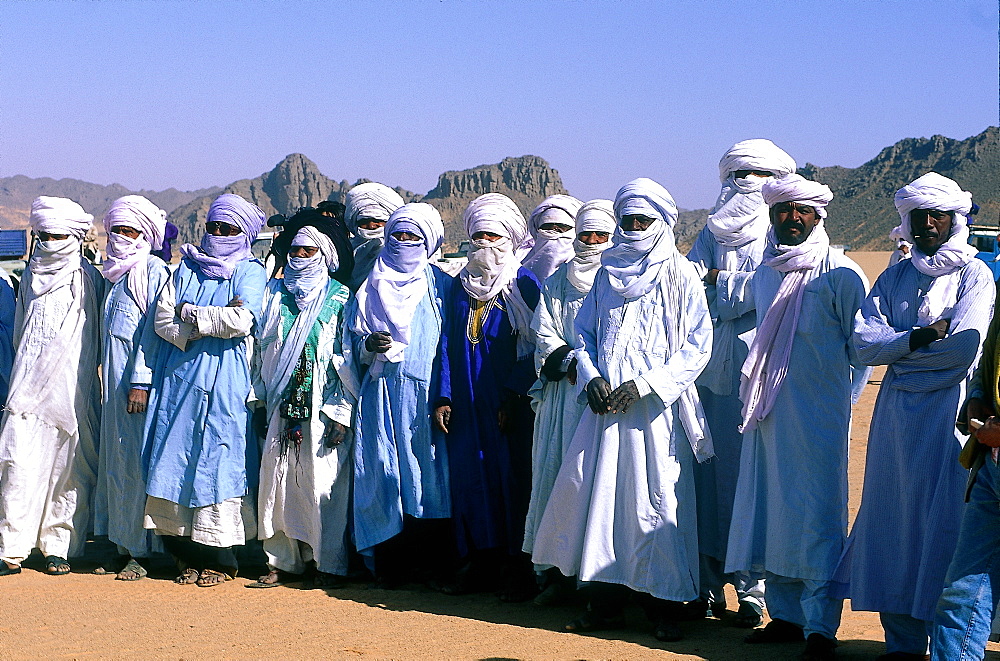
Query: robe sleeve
x,y
685,364
877,342
702,253
148,346
522,374
733,295
8,312
586,338
337,401
249,282
547,325
166,323
448,290
946,362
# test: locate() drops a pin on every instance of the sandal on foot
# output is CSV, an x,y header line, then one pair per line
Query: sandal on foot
x,y
132,571
210,578
8,569
188,577
776,631
590,622
272,579
56,566
667,631
819,648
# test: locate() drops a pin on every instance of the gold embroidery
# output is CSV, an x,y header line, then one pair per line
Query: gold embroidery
x,y
478,312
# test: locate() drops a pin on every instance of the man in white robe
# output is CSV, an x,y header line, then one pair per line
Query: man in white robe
x,y
368,207
790,514
726,253
551,226
926,318
48,440
554,396
622,509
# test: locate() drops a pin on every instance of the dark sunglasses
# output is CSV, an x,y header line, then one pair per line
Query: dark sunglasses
x,y
225,229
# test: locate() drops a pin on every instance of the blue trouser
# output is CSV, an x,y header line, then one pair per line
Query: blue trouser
x,y
965,610
905,633
803,602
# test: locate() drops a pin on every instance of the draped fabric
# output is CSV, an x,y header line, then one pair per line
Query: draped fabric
x,y
54,262
594,216
368,200
125,255
551,247
218,256
389,296
740,215
493,265
636,258
796,188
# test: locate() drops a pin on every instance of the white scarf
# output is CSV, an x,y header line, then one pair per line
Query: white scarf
x,y
739,215
594,216
551,248
767,363
634,261
398,281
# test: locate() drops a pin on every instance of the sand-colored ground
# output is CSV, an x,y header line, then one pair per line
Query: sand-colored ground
x,y
88,616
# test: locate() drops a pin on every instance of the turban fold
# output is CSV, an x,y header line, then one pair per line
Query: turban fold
x,y
933,191
635,260
594,216
140,214
798,189
756,154
59,215
370,200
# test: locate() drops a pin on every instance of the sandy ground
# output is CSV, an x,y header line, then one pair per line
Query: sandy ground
x,y
88,616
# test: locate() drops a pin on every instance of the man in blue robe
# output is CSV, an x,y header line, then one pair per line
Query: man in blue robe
x,y
790,513
401,497
197,421
482,401
926,319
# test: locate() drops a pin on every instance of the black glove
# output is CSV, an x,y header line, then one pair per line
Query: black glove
x,y
623,397
598,391
552,369
378,342
921,337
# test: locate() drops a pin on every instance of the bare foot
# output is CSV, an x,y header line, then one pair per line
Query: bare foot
x,y
271,579
210,578
132,571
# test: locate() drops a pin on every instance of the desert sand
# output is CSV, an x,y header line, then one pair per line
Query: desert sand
x,y
87,616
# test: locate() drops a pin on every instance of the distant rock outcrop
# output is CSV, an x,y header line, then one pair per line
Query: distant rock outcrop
x,y
17,193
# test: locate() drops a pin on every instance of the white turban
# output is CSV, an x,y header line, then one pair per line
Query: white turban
x,y
636,258
423,218
140,214
311,237
58,215
552,248
756,154
798,189
933,191
370,200
594,216
497,214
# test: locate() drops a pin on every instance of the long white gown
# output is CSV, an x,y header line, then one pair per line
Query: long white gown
x,y
622,509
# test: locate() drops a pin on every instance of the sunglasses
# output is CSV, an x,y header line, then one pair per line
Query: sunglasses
x,y
225,229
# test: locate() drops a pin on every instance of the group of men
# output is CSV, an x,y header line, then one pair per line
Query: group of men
x,y
581,408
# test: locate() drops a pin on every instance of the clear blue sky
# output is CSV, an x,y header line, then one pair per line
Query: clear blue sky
x,y
193,94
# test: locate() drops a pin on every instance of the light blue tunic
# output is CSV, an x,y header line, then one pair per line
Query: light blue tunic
x,y
400,459
790,512
734,325
197,421
130,348
912,504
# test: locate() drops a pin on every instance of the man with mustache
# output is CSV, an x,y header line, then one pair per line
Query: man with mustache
x,y
790,514
926,319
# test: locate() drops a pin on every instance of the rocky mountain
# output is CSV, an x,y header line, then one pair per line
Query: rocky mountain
x,y
296,181
862,213
17,192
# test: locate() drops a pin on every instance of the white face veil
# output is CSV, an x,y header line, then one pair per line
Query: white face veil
x,y
594,216
552,248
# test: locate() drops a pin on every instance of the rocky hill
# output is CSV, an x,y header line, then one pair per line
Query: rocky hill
x,y
17,192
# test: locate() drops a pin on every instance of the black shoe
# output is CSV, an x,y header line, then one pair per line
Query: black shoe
x,y
667,631
9,570
776,631
819,648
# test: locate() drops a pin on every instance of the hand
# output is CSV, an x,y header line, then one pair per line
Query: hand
x,y
571,373
598,392
623,397
259,421
442,418
921,337
237,302
552,369
137,400
378,342
335,434
711,277
989,433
